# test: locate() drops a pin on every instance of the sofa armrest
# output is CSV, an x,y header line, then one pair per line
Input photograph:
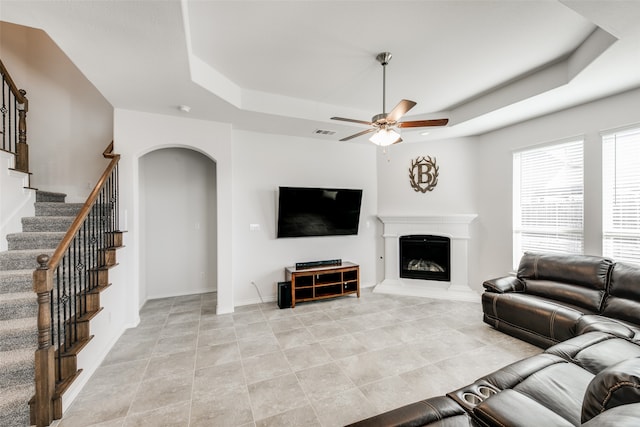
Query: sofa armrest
x,y
501,285
437,410
615,386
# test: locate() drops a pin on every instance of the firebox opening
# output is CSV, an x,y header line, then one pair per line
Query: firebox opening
x,y
425,257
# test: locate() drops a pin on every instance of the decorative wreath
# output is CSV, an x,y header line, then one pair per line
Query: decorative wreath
x,y
423,174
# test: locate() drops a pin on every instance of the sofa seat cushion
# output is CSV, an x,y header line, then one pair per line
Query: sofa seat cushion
x,y
546,380
620,416
595,351
560,388
511,408
538,320
435,412
615,386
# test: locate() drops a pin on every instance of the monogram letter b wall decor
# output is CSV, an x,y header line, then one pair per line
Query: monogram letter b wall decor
x,y
423,174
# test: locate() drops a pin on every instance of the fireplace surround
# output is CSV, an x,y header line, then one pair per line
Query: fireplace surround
x,y
452,226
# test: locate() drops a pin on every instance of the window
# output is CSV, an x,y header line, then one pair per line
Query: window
x,y
548,199
621,195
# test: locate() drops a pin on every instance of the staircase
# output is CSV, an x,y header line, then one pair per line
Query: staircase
x,y
18,307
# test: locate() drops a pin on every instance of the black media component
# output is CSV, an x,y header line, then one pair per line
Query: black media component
x,y
305,212
314,264
284,294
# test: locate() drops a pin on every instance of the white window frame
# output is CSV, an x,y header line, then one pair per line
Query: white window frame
x,y
559,229
621,194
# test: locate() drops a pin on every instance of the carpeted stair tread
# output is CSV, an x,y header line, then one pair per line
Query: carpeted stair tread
x,y
12,281
18,296
23,259
16,367
50,196
46,223
35,240
41,234
57,209
14,407
18,305
18,333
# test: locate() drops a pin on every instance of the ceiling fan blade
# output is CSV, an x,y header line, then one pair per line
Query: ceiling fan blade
x,y
352,120
423,123
400,110
364,132
397,141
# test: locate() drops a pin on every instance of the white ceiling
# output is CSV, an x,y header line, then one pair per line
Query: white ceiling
x,y
288,66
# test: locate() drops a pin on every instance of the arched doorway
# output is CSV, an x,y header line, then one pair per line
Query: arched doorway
x,y
178,194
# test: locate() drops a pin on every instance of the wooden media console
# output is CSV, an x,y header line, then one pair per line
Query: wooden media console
x,y
310,284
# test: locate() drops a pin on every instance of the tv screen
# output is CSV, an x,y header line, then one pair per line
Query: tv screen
x,y
304,212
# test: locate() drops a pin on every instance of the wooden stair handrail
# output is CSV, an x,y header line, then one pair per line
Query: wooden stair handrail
x,y
86,209
21,147
44,411
14,89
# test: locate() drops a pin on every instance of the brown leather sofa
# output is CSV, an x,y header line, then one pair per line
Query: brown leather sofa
x,y
585,311
556,297
590,380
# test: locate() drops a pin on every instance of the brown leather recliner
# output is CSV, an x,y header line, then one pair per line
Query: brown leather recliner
x,y
591,380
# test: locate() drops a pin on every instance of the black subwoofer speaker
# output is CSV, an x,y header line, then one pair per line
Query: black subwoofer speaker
x,y
284,294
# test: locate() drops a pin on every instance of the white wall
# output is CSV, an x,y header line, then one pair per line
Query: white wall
x,y
16,201
264,162
495,173
136,134
69,122
455,193
178,210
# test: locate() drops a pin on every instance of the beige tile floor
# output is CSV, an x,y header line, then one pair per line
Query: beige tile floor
x,y
325,363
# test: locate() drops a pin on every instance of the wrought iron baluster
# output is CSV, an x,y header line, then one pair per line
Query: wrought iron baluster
x,y
12,142
3,110
74,300
84,287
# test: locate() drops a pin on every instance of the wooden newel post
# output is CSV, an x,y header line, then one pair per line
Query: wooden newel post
x,y
42,411
22,149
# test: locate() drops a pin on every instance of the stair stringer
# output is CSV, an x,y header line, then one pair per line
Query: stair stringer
x,y
100,335
105,333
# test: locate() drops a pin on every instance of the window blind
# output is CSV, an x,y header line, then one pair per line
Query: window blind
x,y
621,195
548,199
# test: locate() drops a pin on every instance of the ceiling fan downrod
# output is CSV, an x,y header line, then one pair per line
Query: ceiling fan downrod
x,y
384,58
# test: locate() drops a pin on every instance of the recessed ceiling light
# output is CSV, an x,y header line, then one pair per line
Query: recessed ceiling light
x,y
184,108
424,133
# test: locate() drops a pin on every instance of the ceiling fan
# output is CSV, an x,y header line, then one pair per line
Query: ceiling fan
x,y
384,124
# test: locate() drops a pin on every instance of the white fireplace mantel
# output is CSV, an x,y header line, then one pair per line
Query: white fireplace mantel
x,y
454,226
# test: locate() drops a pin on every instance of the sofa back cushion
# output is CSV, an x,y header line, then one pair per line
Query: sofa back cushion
x,y
575,279
623,301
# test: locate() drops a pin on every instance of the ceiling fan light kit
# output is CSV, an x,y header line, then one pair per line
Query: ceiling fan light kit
x,y
385,137
385,125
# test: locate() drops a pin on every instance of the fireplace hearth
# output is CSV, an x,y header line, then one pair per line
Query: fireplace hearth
x,y
425,257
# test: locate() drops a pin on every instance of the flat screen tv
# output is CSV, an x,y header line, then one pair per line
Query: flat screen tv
x,y
304,211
